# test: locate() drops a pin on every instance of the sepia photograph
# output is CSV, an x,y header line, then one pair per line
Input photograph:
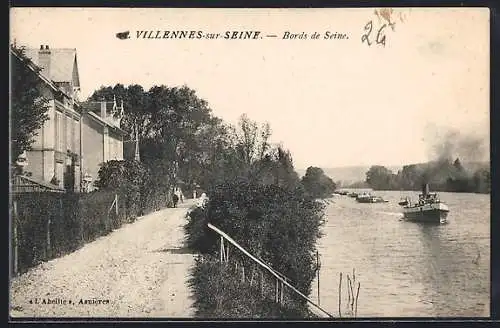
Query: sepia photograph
x,y
223,163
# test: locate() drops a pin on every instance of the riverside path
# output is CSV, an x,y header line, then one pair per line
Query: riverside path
x,y
139,270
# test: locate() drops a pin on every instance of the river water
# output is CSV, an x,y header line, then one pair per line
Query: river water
x,y
406,269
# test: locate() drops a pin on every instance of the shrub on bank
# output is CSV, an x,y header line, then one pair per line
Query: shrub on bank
x,y
219,293
278,225
197,231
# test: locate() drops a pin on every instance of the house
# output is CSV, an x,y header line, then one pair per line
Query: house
x,y
56,152
102,137
78,137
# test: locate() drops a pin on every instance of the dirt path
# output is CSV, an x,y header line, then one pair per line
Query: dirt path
x,y
139,270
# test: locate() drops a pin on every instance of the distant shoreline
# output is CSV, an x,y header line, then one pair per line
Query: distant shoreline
x,y
414,190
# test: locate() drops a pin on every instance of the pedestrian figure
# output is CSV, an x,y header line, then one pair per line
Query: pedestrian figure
x,y
194,194
203,200
178,192
175,198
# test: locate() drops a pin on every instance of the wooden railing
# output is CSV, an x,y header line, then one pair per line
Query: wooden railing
x,y
280,278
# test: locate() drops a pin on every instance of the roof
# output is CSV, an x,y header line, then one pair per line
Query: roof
x,y
30,184
63,64
105,123
33,67
95,106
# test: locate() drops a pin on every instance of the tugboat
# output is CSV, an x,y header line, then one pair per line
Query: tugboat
x,y
428,209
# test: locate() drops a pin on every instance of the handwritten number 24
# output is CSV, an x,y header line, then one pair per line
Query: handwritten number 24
x,y
380,37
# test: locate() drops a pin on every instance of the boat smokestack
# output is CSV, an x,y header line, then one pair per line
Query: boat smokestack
x,y
425,189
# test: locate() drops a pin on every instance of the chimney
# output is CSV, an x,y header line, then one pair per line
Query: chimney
x,y
44,60
103,109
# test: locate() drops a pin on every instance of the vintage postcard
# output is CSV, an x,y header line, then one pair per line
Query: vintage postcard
x,y
249,163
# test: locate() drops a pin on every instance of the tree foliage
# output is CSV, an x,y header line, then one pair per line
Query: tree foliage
x,y
317,183
379,177
442,175
171,124
130,179
28,105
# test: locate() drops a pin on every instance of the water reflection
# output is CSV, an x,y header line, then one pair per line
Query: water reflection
x,y
450,265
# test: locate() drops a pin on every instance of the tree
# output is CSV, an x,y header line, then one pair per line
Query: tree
x,y
170,124
28,105
252,140
317,184
175,117
277,168
482,180
239,152
381,178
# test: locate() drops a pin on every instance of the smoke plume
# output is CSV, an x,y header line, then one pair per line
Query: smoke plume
x,y
447,144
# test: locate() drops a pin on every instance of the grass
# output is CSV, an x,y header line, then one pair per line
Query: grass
x,y
220,293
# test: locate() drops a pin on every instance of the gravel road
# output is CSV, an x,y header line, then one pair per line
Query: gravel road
x,y
139,270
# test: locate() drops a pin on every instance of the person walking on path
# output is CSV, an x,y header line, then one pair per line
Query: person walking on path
x,y
178,191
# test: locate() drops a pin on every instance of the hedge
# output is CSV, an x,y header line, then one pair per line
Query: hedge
x,y
48,225
278,225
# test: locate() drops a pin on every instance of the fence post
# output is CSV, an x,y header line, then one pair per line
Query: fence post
x,y
261,283
48,253
15,240
317,269
282,292
221,249
116,204
276,291
79,218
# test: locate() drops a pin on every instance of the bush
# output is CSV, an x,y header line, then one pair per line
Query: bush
x,y
278,225
197,232
135,183
219,293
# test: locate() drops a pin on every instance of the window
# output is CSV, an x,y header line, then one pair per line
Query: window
x,y
115,149
69,133
76,145
59,131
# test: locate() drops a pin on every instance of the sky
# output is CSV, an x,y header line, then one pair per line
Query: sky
x,y
332,103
